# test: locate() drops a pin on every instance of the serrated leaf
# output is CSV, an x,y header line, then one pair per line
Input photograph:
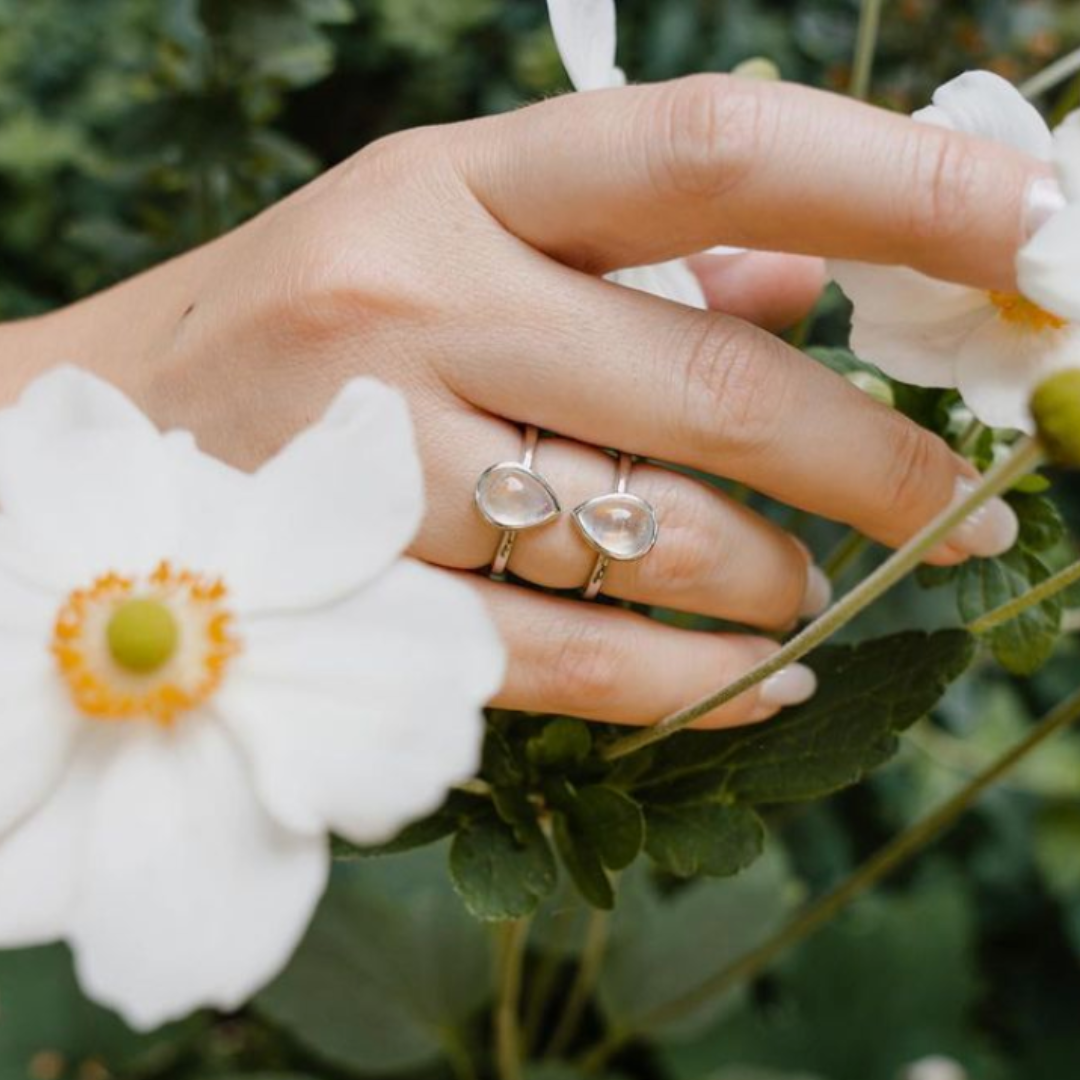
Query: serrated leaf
x,y
390,962
583,863
867,694
611,821
499,871
562,741
1041,524
714,839
1022,645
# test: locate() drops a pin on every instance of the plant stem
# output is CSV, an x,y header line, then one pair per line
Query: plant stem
x,y
512,938
1021,461
894,854
866,48
844,554
592,958
1052,76
1037,595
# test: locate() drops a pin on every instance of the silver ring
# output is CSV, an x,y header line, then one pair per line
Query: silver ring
x,y
513,496
619,526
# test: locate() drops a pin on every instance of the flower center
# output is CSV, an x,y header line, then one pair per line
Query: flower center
x,y
1020,311
150,648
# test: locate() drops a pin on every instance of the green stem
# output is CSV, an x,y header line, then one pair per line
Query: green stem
x,y
592,958
1038,595
545,977
844,554
866,48
1019,463
512,938
1052,76
894,854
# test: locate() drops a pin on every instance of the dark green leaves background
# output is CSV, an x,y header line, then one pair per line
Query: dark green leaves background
x,y
131,130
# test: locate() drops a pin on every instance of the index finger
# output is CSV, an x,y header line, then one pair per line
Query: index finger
x,y
641,174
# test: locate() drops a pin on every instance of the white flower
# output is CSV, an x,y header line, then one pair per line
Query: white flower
x,y
585,34
996,348
202,673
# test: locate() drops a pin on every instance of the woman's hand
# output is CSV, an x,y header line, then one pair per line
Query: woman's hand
x,y
462,264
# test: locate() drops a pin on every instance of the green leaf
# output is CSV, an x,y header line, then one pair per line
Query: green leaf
x,y
499,871
715,839
612,822
1041,524
867,694
582,861
563,741
663,945
391,962
1022,645
44,1014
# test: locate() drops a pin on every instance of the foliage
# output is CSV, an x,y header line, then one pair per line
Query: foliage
x,y
133,129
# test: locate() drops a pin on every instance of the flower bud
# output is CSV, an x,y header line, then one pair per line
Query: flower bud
x,y
1055,405
758,67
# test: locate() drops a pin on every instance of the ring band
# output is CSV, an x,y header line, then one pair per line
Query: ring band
x,y
619,526
513,496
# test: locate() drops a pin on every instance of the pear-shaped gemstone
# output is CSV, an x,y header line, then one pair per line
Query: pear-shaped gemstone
x,y
620,525
513,497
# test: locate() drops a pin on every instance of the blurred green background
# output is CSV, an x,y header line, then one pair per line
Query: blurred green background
x,y
134,129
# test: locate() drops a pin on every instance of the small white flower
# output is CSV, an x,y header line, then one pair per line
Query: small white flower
x,y
585,33
996,348
202,673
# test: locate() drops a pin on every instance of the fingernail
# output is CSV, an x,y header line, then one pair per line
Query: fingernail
x,y
818,595
790,686
991,530
1044,199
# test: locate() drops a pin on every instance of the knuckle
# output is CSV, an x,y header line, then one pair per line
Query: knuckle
x,y
729,389
710,130
685,553
943,177
587,665
915,458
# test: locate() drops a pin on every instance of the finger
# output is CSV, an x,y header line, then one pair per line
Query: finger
x,y
604,663
714,393
770,290
637,175
713,556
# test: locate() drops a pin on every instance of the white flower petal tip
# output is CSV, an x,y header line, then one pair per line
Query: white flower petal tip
x,y
672,280
585,35
181,756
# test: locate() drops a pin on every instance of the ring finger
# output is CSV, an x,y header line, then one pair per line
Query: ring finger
x,y
713,556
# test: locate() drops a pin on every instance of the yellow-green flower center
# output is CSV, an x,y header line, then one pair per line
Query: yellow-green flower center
x,y
143,635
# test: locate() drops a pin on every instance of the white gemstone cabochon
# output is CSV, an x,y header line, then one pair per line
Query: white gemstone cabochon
x,y
622,526
513,497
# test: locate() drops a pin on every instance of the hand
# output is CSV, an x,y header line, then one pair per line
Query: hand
x,y
462,265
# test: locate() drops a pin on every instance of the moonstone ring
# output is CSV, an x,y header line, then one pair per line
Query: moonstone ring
x,y
619,526
512,496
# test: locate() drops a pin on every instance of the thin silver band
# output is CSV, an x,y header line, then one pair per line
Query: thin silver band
x,y
506,540
600,567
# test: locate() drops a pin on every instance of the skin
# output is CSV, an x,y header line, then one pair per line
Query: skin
x,y
462,264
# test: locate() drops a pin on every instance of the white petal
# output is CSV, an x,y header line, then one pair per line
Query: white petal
x,y
671,281
83,482
1000,366
41,859
38,727
982,103
910,325
189,895
585,34
332,510
1048,267
1067,156
360,717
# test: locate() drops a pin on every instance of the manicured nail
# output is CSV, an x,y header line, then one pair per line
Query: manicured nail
x,y
789,686
1044,199
991,530
818,595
